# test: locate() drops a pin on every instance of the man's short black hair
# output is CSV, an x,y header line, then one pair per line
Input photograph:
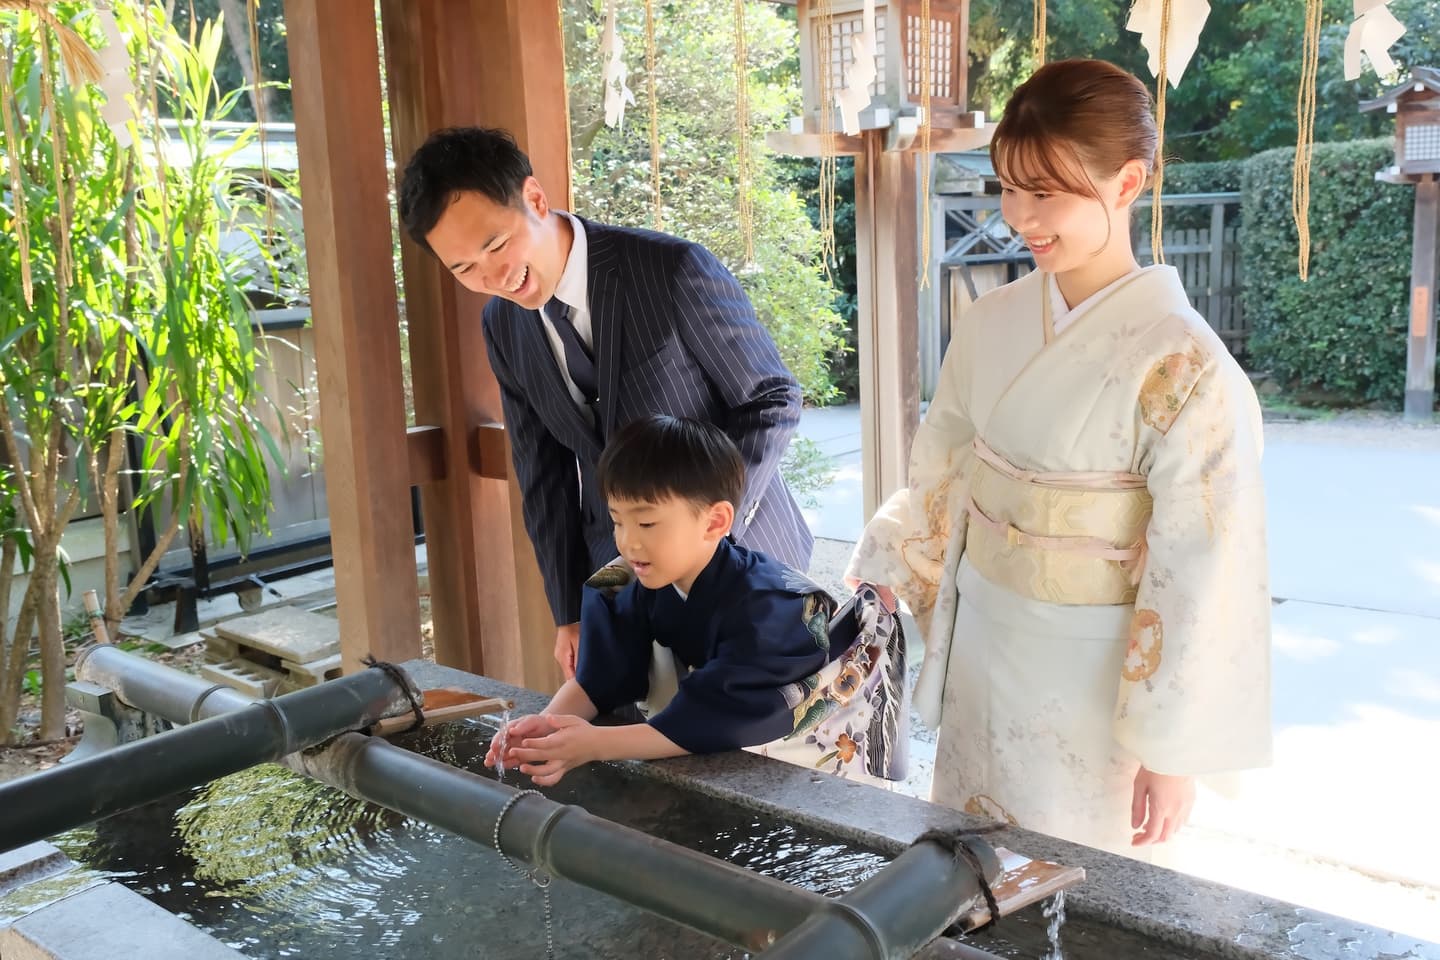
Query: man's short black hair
x,y
658,457
452,161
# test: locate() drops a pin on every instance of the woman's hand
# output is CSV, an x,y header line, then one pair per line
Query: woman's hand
x,y
1160,807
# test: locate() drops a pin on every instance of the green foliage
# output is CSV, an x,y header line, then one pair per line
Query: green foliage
x,y
804,175
1237,96
808,471
274,57
699,170
161,257
1261,74
1221,176
1344,331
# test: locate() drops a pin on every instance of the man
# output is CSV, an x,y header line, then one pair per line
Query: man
x,y
589,327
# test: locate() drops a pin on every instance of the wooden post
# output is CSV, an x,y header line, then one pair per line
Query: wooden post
x,y
486,596
932,337
335,72
1420,358
886,281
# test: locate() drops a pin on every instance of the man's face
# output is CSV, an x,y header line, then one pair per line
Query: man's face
x,y
503,250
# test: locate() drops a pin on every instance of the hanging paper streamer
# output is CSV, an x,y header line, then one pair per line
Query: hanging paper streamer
x,y
659,211
115,81
860,72
1375,29
612,52
1305,102
1184,19
1041,15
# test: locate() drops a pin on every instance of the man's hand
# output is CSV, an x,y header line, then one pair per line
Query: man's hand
x,y
547,755
1168,801
567,648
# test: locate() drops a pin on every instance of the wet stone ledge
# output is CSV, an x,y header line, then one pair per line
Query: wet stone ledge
x,y
1185,913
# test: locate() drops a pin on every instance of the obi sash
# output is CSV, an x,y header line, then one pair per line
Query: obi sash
x,y
1070,538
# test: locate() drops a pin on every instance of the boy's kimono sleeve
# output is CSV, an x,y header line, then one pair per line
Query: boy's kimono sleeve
x,y
1194,693
613,664
735,699
914,542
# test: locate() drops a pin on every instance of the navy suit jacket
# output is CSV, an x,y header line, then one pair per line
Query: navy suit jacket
x,y
675,334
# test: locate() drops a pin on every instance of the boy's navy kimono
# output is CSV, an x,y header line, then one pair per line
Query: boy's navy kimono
x,y
753,651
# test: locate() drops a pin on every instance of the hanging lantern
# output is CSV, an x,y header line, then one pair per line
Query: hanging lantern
x,y
1416,106
897,86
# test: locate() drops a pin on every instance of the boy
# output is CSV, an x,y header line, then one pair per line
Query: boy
x,y
726,647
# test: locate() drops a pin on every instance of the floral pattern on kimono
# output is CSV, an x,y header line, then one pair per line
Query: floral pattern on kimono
x,y
854,712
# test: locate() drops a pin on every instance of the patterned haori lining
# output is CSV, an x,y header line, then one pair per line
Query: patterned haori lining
x,y
852,716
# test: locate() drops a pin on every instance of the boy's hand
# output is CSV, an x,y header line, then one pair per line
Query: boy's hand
x,y
1168,801
547,755
567,647
510,736
887,596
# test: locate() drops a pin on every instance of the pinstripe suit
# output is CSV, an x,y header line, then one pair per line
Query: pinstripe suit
x,y
673,334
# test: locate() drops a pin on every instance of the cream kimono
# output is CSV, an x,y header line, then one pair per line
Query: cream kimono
x,y
1083,545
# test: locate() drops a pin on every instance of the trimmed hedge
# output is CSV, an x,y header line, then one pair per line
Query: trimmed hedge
x,y
1343,332
1223,176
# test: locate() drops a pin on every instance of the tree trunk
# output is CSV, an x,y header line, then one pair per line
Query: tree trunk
x,y
45,578
13,671
237,31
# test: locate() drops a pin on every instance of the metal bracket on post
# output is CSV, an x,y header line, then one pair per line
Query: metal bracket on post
x,y
108,722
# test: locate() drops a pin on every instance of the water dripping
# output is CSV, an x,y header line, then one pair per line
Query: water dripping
x,y
1055,913
502,742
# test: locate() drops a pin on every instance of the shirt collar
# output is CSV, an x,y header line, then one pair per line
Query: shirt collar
x,y
572,288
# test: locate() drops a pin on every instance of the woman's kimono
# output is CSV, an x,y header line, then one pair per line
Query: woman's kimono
x,y
1083,544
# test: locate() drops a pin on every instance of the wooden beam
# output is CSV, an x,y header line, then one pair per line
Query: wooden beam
x,y
425,447
487,598
335,76
902,136
1420,355
886,271
490,452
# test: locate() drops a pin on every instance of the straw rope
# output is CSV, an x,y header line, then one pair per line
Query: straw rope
x,y
744,161
1305,103
1157,209
927,88
658,217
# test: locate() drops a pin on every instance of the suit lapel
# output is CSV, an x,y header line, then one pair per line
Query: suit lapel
x,y
606,310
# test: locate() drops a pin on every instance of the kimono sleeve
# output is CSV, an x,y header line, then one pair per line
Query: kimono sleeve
x,y
914,542
613,665
735,699
1194,694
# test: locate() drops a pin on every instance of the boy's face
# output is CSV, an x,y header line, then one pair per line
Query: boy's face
x,y
669,541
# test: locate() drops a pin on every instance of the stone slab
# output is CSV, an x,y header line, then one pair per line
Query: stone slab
x,y
286,632
30,862
108,922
